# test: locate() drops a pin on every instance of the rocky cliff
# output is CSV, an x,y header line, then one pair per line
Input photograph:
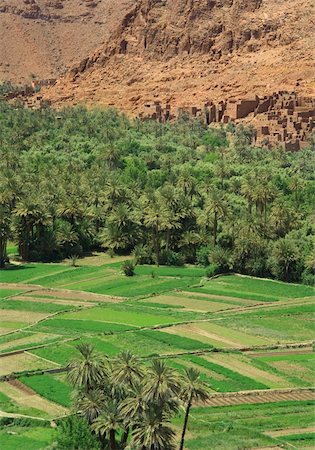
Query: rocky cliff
x,y
42,38
188,51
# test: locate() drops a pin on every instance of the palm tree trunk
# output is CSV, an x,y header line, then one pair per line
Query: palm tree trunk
x,y
112,440
157,244
3,244
181,445
124,438
215,228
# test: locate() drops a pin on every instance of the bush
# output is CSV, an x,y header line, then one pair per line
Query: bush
x,y
74,433
202,256
212,270
308,277
170,258
128,268
142,254
220,257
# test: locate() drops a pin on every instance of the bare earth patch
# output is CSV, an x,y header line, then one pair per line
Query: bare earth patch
x,y
34,338
56,301
190,330
289,431
20,362
11,315
31,400
233,363
76,295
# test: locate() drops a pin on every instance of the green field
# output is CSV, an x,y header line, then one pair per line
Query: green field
x,y
174,313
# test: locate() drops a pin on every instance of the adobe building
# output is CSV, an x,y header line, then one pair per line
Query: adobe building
x,y
282,119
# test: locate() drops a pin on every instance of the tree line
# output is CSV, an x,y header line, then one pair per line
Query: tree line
x,y
77,180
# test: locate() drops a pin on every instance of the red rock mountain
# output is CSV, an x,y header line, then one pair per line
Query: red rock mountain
x,y
44,37
189,51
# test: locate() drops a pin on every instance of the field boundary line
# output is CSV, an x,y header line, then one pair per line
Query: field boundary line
x,y
44,359
28,349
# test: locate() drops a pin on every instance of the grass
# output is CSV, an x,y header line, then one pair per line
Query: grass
x,y
290,324
60,354
49,387
26,438
172,340
175,300
69,326
232,381
242,426
124,315
30,272
24,305
8,292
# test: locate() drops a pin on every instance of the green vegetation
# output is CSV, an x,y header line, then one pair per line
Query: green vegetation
x,y
27,436
94,179
129,405
232,381
242,426
50,387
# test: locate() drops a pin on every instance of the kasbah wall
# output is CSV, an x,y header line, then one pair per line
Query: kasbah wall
x,y
283,119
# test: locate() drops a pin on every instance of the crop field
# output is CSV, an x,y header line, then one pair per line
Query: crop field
x,y
241,333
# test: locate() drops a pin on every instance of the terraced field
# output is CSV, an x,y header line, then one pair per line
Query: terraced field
x,y
244,334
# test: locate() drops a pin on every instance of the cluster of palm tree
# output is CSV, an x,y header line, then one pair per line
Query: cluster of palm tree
x,y
78,180
128,404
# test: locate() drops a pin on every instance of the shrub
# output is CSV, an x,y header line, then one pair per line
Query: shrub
x,y
73,260
170,258
308,277
212,270
221,258
128,268
142,254
202,256
74,433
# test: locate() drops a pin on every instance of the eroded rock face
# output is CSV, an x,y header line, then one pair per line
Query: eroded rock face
x,y
45,37
187,51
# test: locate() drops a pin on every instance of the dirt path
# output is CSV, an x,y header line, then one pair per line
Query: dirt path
x,y
280,353
22,416
263,396
289,431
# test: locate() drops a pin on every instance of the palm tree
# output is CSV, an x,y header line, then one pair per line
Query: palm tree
x,y
89,370
108,423
153,433
217,207
5,221
30,212
193,390
91,404
127,369
162,384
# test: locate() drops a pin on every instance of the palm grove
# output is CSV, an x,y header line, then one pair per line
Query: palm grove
x,y
75,180
125,404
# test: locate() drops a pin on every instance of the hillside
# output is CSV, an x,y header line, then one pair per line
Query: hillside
x,y
185,52
44,37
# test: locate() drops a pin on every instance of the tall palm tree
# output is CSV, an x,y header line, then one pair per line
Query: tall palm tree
x,y
127,369
193,390
5,221
108,423
217,207
152,432
91,404
89,370
162,384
